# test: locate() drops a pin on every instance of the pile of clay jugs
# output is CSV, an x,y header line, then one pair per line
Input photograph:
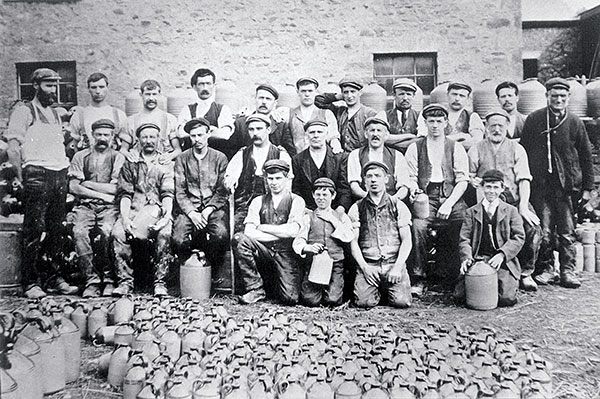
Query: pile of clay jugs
x,y
175,348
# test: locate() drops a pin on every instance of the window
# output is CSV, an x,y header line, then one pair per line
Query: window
x,y
420,67
67,86
530,68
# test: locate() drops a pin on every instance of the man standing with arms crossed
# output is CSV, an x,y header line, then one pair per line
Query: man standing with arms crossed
x,y
402,118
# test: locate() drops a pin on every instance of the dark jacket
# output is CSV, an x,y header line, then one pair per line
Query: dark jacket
x,y
571,152
509,234
335,164
240,137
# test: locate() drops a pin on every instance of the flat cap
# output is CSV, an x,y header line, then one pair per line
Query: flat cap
x,y
459,86
497,111
558,83
323,182
492,175
375,120
374,164
434,107
314,122
41,74
194,123
404,83
106,123
256,117
352,82
145,126
269,88
276,165
507,85
307,79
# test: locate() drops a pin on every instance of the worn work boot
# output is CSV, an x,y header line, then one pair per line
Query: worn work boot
x,y
35,292
570,280
528,284
417,289
64,288
544,278
91,291
122,290
253,296
108,289
160,290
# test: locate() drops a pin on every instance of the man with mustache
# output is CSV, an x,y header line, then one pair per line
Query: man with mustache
x,y
402,118
244,176
220,116
150,113
93,177
497,151
35,136
351,117
145,192
377,132
508,97
560,160
266,103
83,117
438,167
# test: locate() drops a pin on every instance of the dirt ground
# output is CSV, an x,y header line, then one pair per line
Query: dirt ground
x,y
563,325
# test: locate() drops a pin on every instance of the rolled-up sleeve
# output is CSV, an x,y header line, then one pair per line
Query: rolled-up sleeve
x,y
19,121
404,217
253,216
301,239
116,168
521,167
344,232
412,164
126,184
461,164
354,219
354,169
473,156
76,167
297,210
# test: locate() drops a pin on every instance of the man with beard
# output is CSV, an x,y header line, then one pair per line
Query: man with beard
x,y
145,191
307,111
264,250
402,118
560,160
497,151
317,161
244,175
397,183
201,209
508,97
35,136
93,177
83,117
351,117
266,103
150,113
219,116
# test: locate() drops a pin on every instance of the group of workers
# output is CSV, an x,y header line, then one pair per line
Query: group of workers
x,y
328,197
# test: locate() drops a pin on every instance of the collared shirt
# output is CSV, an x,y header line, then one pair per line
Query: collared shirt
x,y
490,207
225,117
400,167
476,127
295,216
234,169
460,167
165,121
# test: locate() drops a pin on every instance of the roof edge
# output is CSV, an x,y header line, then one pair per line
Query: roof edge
x,y
550,24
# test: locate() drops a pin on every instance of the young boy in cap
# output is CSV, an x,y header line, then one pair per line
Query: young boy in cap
x,y
323,231
492,230
264,251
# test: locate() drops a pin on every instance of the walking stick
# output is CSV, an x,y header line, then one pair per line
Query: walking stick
x,y
231,232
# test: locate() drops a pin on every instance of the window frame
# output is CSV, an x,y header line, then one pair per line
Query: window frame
x,y
414,75
58,66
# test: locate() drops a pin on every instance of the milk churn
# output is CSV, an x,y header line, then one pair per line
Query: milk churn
x,y
288,97
484,97
118,365
96,320
69,334
577,98
481,286
23,371
532,96
592,90
133,102
8,386
80,318
439,95
121,311
133,383
195,276
421,206
10,247
124,334
374,96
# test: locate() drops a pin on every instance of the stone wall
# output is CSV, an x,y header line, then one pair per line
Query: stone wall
x,y
251,41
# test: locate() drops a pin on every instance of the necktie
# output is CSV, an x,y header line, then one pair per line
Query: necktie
x,y
403,117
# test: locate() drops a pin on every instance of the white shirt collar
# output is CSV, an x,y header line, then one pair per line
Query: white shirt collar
x,y
490,207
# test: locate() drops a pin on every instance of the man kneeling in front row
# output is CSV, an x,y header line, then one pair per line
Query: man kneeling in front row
x,y
382,243
492,231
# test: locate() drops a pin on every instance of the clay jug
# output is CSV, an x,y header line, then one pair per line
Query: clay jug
x,y
205,389
143,314
149,392
29,348
172,343
401,391
193,339
69,334
124,334
133,383
227,94
320,390
118,365
80,318
133,102
288,97
195,277
143,337
8,386
484,97
290,389
104,363
180,97
577,98
593,97
176,389
481,286
348,389
23,371
105,335
374,96
122,310
532,96
439,95
233,391
96,320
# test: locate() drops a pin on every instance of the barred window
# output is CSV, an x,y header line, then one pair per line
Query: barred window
x,y
67,86
420,67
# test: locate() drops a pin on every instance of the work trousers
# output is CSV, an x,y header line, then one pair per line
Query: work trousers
x,y
529,253
268,263
330,295
367,296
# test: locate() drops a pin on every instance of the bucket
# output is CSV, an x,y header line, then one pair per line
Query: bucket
x,y
481,286
10,247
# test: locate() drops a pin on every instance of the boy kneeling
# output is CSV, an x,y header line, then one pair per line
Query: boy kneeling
x,y
492,230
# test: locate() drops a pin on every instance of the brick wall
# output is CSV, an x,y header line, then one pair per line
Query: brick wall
x,y
250,41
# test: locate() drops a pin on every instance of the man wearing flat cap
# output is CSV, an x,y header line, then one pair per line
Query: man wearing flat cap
x,y
376,133
308,111
266,103
244,176
352,116
265,258
382,243
99,108
93,177
560,160
497,151
321,241
36,142
463,126
403,117
438,167
220,116
201,214
150,92
508,98
492,231
145,193
317,161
